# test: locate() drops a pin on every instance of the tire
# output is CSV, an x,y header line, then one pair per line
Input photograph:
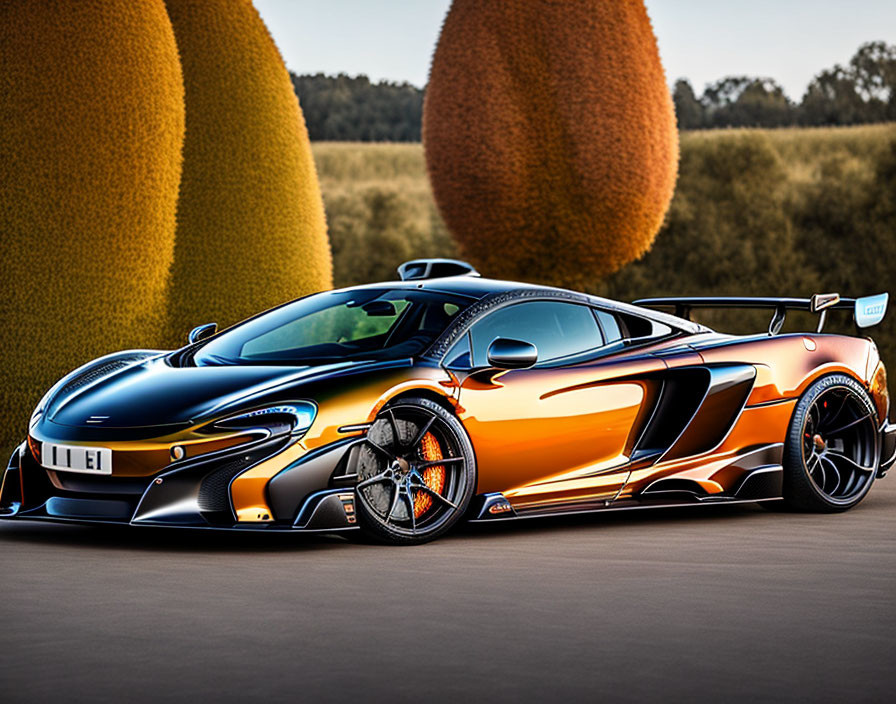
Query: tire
x,y
832,450
405,495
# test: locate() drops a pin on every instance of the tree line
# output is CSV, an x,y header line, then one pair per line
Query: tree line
x,y
345,108
863,91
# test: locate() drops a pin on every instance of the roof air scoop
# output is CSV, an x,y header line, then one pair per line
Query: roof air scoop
x,y
434,269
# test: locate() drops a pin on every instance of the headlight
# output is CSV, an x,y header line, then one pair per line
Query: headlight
x,y
294,418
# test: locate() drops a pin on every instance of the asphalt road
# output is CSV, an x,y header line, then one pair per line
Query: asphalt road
x,y
731,603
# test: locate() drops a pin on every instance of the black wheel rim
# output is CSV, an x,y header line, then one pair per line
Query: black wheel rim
x,y
396,478
840,444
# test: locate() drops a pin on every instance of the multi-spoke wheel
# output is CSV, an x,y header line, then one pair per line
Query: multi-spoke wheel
x,y
416,473
832,450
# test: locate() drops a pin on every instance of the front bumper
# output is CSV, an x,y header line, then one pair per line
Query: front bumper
x,y
314,493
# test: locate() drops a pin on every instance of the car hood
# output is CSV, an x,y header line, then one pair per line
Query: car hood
x,y
154,393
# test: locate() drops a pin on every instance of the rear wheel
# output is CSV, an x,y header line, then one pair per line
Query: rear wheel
x,y
832,450
416,473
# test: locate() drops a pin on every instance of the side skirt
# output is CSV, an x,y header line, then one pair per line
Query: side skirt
x,y
628,507
761,484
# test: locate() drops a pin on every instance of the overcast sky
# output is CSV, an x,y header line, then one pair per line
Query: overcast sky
x,y
702,40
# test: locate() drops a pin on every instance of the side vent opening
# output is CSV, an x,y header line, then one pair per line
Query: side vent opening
x,y
679,399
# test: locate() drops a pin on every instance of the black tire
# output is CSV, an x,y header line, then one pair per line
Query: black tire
x,y
405,495
832,450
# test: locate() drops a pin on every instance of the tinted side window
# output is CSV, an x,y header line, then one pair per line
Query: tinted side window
x,y
609,325
556,329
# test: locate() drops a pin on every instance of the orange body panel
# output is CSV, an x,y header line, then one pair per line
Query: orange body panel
x,y
543,434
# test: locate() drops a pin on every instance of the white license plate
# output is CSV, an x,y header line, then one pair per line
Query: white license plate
x,y
76,458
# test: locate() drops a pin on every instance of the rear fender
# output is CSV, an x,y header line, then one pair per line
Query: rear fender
x,y
787,364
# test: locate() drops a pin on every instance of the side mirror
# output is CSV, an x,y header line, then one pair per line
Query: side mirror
x,y
511,354
202,332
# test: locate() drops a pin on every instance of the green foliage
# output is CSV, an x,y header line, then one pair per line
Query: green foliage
x,y
862,92
689,111
726,222
738,101
832,98
354,109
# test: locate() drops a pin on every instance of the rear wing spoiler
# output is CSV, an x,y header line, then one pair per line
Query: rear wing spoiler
x,y
867,311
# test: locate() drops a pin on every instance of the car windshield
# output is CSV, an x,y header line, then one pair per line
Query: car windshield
x,y
361,324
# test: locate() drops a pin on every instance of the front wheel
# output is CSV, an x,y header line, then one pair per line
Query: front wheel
x,y
832,450
416,473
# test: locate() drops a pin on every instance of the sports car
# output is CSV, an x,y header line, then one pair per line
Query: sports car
x,y
402,408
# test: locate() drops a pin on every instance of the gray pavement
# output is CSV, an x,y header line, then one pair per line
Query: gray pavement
x,y
712,603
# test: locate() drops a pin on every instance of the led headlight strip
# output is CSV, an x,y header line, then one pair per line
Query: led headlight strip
x,y
301,412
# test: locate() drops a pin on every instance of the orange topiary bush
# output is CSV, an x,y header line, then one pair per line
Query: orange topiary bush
x,y
550,136
91,128
251,231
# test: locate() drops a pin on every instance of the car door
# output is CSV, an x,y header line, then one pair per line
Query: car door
x,y
560,430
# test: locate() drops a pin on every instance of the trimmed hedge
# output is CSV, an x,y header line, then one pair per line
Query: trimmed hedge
x,y
550,136
251,231
90,157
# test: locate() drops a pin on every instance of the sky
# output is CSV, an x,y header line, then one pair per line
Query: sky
x,y
702,40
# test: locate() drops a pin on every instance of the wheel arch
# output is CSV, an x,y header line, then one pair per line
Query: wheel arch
x,y
426,392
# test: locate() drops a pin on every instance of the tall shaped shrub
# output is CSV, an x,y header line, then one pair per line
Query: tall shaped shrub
x,y
91,128
251,231
550,136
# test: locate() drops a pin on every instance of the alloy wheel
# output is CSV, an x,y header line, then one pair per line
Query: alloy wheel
x,y
412,471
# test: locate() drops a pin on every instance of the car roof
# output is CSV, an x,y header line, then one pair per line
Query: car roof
x,y
469,286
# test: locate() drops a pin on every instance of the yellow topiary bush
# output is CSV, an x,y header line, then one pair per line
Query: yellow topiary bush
x,y
251,231
550,136
91,128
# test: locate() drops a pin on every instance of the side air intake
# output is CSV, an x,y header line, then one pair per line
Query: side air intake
x,y
434,269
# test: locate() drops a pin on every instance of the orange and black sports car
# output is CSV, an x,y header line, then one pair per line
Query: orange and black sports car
x,y
401,408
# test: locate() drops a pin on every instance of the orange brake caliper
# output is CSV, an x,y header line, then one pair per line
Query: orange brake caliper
x,y
433,477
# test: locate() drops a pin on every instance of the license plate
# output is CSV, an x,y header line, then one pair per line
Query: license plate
x,y
76,458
